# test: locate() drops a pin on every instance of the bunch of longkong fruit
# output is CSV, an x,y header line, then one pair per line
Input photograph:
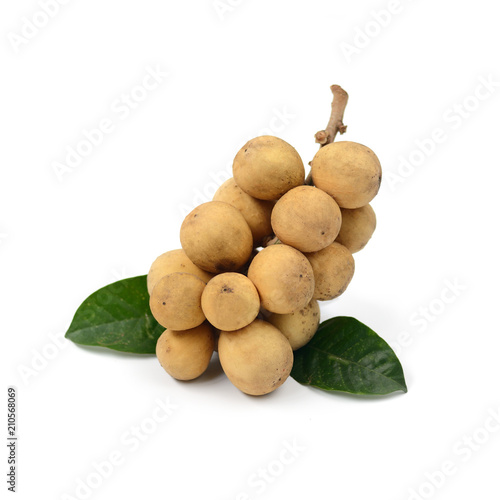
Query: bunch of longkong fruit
x,y
256,260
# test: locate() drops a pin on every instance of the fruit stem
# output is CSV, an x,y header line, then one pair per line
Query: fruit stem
x,y
335,124
271,240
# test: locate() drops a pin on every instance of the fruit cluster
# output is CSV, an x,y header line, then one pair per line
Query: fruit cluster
x,y
256,260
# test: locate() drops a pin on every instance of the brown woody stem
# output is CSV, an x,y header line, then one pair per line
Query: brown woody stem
x,y
271,240
336,122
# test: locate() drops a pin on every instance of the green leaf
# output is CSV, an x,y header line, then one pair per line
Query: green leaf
x,y
118,317
345,355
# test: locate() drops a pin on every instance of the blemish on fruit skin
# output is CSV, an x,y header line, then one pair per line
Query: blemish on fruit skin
x,y
225,265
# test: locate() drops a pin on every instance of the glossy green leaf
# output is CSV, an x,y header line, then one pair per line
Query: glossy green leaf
x,y
345,355
118,317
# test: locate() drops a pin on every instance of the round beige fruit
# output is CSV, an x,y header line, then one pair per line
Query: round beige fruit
x,y
298,327
257,213
283,277
185,355
333,271
216,237
175,301
348,171
358,226
306,218
174,261
257,359
230,301
267,167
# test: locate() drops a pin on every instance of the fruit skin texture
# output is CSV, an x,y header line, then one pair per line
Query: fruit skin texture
x,y
298,327
358,225
267,167
306,218
257,359
185,355
174,261
333,271
348,171
257,213
175,301
216,237
283,277
230,301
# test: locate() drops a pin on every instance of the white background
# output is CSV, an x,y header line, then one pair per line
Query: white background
x,y
235,72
